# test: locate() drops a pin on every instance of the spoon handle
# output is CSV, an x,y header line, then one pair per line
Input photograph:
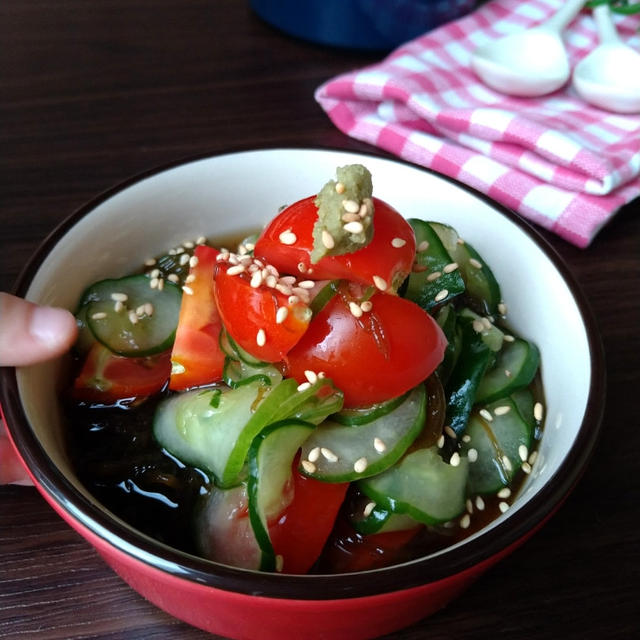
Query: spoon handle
x,y
567,12
607,31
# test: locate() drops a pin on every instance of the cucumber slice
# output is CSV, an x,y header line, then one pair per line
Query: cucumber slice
x,y
126,328
490,334
85,339
378,520
362,415
340,453
446,317
422,485
232,349
236,373
520,359
497,443
323,296
270,458
421,287
481,285
524,401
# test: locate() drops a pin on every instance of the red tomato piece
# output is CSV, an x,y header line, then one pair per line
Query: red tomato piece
x,y
250,314
390,262
106,377
301,531
196,356
380,355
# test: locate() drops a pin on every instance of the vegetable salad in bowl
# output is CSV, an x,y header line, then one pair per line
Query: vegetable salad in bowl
x,y
339,392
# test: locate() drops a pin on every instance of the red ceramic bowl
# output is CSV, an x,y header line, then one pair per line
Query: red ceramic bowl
x,y
209,196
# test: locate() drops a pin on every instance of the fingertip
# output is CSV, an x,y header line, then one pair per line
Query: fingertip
x,y
55,329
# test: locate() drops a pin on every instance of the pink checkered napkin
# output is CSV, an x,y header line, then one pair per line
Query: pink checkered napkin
x,y
556,160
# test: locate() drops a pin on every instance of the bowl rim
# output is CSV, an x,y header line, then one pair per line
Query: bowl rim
x,y
52,483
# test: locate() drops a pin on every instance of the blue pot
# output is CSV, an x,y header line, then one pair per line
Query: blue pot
x,y
360,24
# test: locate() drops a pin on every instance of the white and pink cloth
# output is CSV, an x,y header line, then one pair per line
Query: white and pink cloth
x,y
556,160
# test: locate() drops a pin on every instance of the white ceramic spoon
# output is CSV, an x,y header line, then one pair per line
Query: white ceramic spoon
x,y
529,63
609,77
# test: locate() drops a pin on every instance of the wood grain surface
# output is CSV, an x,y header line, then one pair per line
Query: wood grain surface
x,y
94,92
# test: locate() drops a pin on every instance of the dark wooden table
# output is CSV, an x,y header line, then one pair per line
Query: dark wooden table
x,y
93,92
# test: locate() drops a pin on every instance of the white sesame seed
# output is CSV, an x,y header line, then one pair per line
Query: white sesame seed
x,y
304,386
308,466
355,309
353,227
398,243
249,246
360,465
472,455
523,452
364,211
279,563
351,206
507,373
469,505
284,289
281,314
119,297
506,463
153,283
350,217
502,409
188,290
478,325
480,503
434,276
339,187
133,317
441,442
466,438
188,244
311,376
236,270
484,413
441,295
475,263
271,281
538,411
288,237
179,250
380,283
160,284
256,279
293,299
503,506
184,258
368,508
379,445
193,261
366,306
487,323
306,284
148,308
452,266
150,262
328,454
533,457
314,454
502,309
465,521
200,240
172,277
526,467
327,240
302,267
99,315
155,273
261,338
450,432
118,306
140,310
509,338
504,493
423,246
455,459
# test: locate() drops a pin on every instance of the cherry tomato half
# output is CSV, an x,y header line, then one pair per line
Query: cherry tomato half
x,y
380,355
389,255
252,316
196,357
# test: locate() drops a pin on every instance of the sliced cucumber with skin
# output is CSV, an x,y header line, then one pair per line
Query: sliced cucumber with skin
x,y
344,453
232,349
270,458
446,317
421,287
497,443
422,485
524,401
379,520
492,335
481,285
362,415
323,296
148,333
236,373
520,359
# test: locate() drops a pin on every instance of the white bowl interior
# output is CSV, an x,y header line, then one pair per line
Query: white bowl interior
x,y
232,193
